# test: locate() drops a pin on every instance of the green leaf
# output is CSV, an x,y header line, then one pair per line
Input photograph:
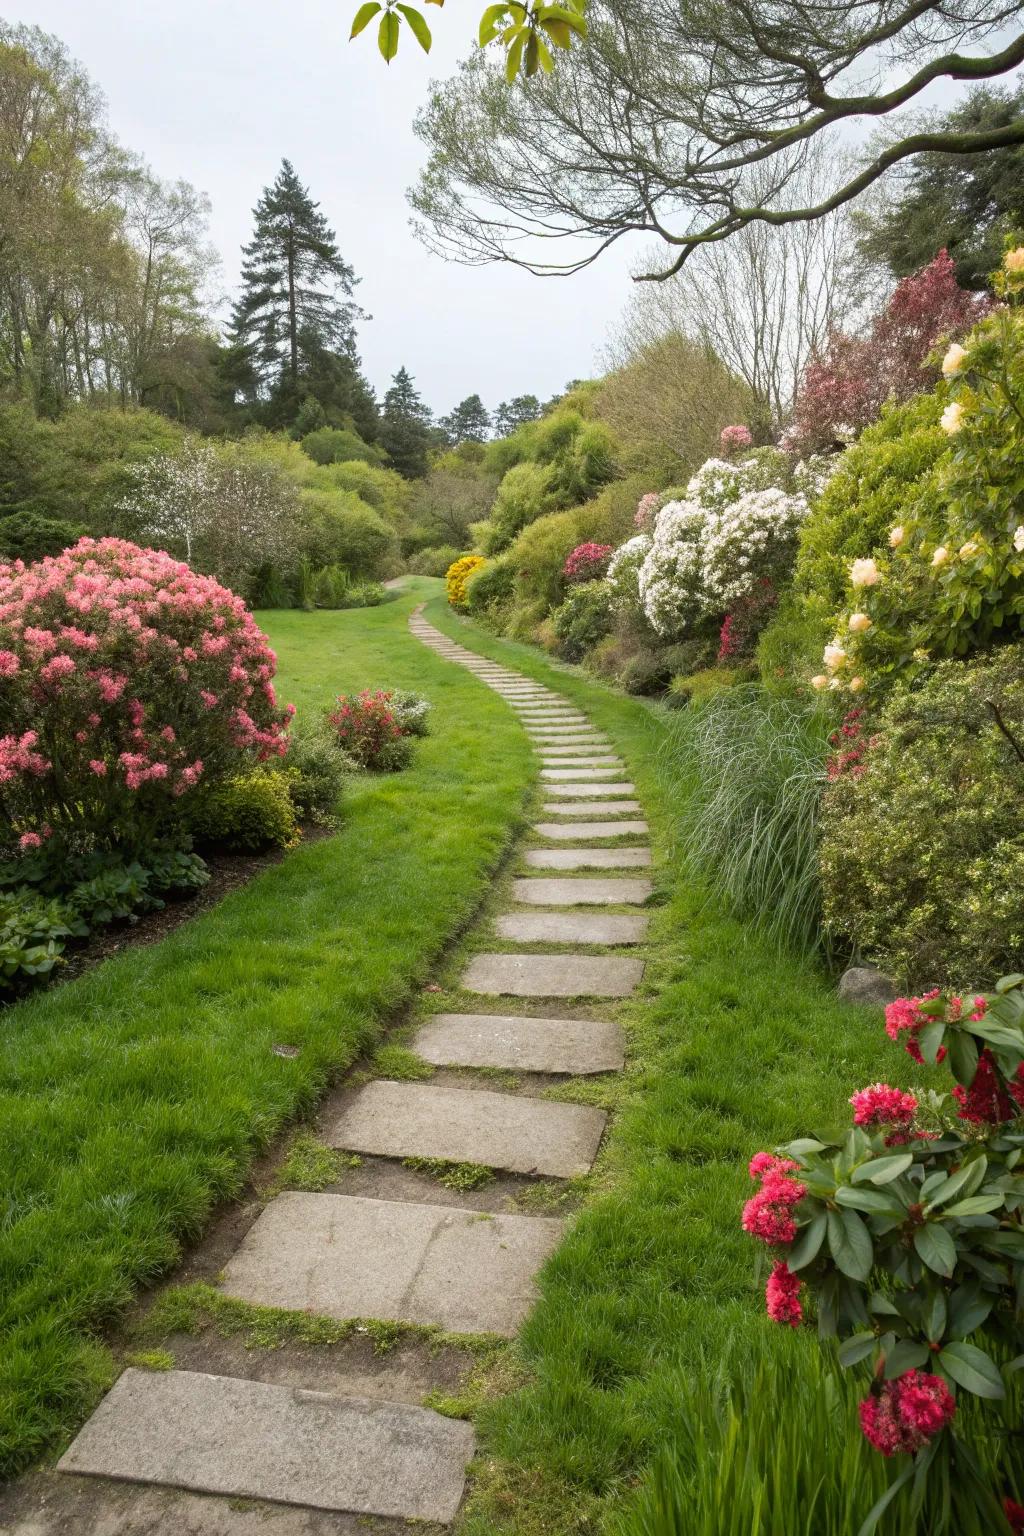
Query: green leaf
x,y
930,1039
871,1200
878,1510
880,1170
963,1056
966,1178
490,22
387,35
975,1205
856,1348
850,1243
907,1356
935,1316
365,14
558,32
532,55
972,1369
515,54
417,25
1006,983
808,1243
936,1248
968,1309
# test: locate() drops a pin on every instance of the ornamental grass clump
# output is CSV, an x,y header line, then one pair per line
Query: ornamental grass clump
x,y
903,1237
126,680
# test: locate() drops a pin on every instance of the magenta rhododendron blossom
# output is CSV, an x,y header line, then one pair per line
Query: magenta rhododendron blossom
x,y
782,1296
881,1105
907,1016
768,1215
587,562
903,1415
125,677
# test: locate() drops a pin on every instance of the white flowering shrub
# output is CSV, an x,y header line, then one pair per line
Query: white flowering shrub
x,y
622,577
735,529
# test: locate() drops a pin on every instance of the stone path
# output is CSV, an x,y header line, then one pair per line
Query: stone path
x,y
464,1269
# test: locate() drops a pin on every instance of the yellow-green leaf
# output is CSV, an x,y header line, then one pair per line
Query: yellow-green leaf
x,y
558,32
545,60
489,22
568,14
387,37
514,59
365,14
532,59
417,25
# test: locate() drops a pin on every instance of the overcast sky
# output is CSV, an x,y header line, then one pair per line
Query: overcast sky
x,y
218,91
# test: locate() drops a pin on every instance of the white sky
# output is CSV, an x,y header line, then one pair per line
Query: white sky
x,y
218,91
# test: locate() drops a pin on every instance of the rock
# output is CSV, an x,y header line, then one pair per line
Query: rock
x,y
866,984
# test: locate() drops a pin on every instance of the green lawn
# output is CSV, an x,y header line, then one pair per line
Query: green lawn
x,y
136,1097
657,1292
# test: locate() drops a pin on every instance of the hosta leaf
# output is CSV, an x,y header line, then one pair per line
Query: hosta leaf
x,y
972,1369
935,1248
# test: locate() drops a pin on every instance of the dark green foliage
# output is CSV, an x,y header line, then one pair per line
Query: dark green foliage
x,y
511,414
923,854
340,530
245,814
789,650
491,587
433,560
33,932
582,620
468,422
30,536
405,430
316,767
965,203
296,288
646,672
335,445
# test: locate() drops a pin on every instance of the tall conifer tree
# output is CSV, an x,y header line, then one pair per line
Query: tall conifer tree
x,y
406,432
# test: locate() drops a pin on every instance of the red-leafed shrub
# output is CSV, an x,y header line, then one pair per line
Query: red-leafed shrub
x,y
369,729
587,562
125,680
844,389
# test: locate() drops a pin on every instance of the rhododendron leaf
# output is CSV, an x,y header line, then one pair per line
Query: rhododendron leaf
x,y
417,25
975,1205
878,1510
935,1248
870,1200
387,36
881,1306
850,1243
997,1034
936,1315
972,1369
1007,983
1016,1364
966,1180
963,1056
968,1308
907,1356
930,1039
881,1170
1009,1243
802,1146
856,1348
808,1244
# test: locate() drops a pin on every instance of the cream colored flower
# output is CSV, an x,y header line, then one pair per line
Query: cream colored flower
x,y
967,550
859,622
836,682
864,573
1018,539
856,684
821,681
897,535
921,654
833,657
940,556
1013,261
952,418
954,359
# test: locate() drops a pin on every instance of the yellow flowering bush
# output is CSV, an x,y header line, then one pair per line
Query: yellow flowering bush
x,y
952,580
457,575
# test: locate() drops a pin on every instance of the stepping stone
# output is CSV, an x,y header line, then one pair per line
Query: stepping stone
x,y
552,975
568,830
592,808
575,893
568,736
571,927
345,1256
604,760
251,1440
575,1046
589,858
567,750
581,787
580,775
464,1125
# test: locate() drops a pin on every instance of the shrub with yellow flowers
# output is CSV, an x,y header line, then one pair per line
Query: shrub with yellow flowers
x,y
458,574
953,580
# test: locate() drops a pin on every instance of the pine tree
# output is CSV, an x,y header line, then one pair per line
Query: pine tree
x,y
296,290
468,422
513,413
406,432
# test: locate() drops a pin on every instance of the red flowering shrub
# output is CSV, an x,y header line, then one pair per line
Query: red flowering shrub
x,y
906,1233
125,680
844,390
745,621
369,729
587,562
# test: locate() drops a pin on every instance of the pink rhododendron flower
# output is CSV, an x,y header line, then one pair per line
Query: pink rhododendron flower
x,y
30,840
782,1296
646,509
9,664
903,1415
734,438
906,1016
881,1105
763,1163
768,1215
586,562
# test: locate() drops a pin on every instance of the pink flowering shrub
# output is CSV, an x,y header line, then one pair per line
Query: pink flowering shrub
x,y
646,511
904,1236
732,439
125,681
370,730
587,562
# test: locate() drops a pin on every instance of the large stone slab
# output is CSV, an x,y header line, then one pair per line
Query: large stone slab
x,y
579,775
577,1046
464,1125
589,858
556,750
580,788
249,1439
595,760
571,927
538,892
591,807
569,831
345,1256
552,975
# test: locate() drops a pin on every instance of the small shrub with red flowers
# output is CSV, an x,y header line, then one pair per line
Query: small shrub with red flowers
x,y
587,562
369,727
734,439
127,680
905,1237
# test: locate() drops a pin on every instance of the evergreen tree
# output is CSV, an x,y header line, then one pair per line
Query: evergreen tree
x,y
296,291
406,432
512,413
468,422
